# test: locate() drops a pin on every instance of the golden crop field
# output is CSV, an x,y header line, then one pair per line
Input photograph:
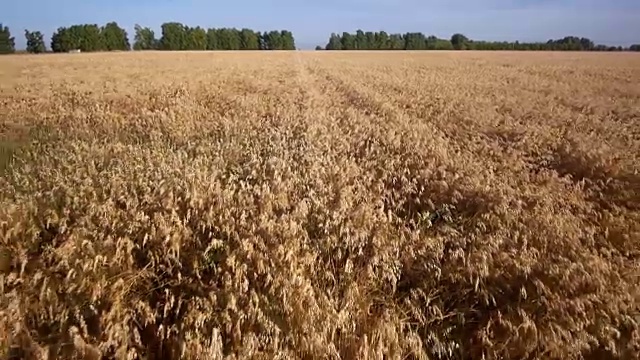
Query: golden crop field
x,y
307,205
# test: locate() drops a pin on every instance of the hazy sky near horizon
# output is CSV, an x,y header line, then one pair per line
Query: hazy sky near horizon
x,y
613,22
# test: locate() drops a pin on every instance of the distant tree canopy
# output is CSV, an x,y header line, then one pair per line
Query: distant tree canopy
x,y
418,41
35,42
382,41
145,39
7,43
176,36
90,37
460,42
114,37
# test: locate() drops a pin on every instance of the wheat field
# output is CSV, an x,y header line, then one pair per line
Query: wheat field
x,y
354,205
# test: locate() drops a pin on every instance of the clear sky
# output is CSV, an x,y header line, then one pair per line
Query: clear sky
x,y
611,22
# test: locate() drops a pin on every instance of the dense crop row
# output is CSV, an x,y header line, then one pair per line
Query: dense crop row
x,y
312,205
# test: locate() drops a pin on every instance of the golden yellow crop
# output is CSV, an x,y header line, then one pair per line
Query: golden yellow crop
x,y
320,205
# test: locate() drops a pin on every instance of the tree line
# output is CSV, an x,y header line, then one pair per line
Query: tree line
x,y
89,38
380,40
176,36
7,42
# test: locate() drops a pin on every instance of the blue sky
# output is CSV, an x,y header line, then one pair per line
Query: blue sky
x,y
614,22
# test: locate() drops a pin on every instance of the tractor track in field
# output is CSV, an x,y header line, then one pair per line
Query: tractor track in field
x,y
472,153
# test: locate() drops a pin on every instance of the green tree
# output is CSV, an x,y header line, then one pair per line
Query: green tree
x,y
196,39
381,40
287,41
91,38
361,40
7,43
319,48
174,36
262,40
85,37
61,40
335,42
212,40
396,42
235,39
348,41
229,39
370,40
415,41
459,42
273,40
223,39
249,40
35,42
635,47
114,37
434,43
145,39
